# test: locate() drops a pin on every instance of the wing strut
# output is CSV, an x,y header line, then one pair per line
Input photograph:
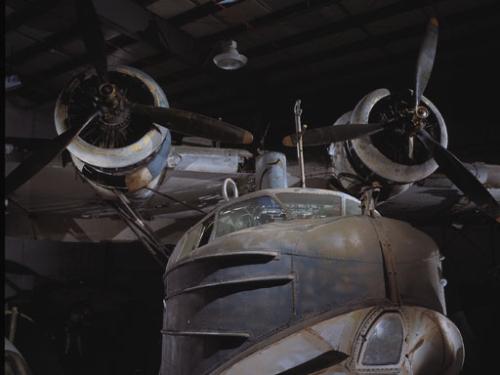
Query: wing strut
x,y
143,232
169,197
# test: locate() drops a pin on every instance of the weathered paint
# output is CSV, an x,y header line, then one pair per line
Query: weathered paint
x,y
115,157
431,345
379,163
320,288
270,170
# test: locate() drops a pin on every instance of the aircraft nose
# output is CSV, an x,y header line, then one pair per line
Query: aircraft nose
x,y
413,339
378,340
434,344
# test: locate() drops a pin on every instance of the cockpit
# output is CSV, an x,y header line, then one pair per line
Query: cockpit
x,y
268,206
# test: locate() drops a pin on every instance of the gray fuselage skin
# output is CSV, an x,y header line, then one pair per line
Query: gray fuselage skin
x,y
243,302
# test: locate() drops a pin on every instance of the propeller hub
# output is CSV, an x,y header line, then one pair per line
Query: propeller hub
x,y
109,95
395,143
418,120
114,109
422,112
107,89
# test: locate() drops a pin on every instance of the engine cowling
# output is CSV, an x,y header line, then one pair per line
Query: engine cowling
x,y
126,155
383,157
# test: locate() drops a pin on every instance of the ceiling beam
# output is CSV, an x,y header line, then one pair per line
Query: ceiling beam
x,y
32,10
161,34
51,42
300,7
263,74
348,76
62,38
200,11
313,33
256,23
37,78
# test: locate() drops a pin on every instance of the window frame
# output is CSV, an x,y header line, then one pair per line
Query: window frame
x,y
218,210
272,193
204,225
287,210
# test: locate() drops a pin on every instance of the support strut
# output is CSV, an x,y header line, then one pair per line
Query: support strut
x,y
143,232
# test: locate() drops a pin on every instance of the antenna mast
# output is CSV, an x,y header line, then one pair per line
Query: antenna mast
x,y
300,151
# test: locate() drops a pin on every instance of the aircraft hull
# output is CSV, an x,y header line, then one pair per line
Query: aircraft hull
x,y
253,293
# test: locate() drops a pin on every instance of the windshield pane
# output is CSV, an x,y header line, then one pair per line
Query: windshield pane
x,y
311,206
352,207
249,213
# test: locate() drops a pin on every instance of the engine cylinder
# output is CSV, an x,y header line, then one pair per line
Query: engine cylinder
x,y
383,157
128,154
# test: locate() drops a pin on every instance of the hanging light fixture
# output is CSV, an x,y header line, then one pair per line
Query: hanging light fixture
x,y
230,58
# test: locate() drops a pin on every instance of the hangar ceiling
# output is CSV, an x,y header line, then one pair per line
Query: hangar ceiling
x,y
328,52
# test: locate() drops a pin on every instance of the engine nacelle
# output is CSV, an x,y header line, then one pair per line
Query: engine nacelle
x,y
383,157
126,155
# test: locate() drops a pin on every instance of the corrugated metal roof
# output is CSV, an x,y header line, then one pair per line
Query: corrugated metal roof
x,y
294,36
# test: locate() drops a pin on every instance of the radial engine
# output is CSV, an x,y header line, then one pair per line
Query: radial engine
x,y
389,159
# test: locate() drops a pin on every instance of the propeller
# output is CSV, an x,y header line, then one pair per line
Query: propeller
x,y
195,124
332,134
93,38
425,61
450,165
39,159
463,179
415,127
109,106
178,120
339,133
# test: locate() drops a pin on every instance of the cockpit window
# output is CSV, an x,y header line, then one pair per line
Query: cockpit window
x,y
208,226
248,213
352,207
311,206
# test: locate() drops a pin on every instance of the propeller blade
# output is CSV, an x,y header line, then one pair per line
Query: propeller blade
x,y
92,37
40,158
461,176
411,147
193,124
426,58
331,134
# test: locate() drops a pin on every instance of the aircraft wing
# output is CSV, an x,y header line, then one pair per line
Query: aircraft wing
x,y
436,198
62,205
433,198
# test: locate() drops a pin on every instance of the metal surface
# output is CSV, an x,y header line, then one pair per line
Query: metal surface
x,y
134,180
300,151
33,164
207,159
461,176
270,171
378,162
431,345
112,157
360,162
294,275
194,124
229,186
14,362
426,57
141,229
350,173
